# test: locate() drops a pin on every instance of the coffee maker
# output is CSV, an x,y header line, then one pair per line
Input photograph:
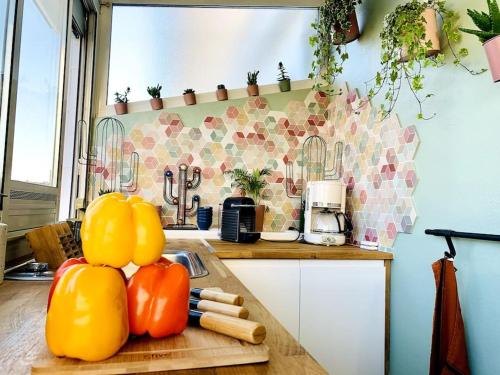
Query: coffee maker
x,y
325,222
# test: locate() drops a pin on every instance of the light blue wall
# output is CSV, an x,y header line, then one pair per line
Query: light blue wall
x,y
458,165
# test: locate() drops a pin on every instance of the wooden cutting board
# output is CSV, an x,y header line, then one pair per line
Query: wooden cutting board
x,y
194,348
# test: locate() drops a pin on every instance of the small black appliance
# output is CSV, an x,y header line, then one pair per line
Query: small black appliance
x,y
238,220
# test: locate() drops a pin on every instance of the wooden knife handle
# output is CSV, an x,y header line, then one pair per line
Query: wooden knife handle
x,y
241,329
223,308
212,295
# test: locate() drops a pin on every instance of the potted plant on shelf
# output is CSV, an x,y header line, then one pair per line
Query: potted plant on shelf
x,y
410,43
252,88
189,97
337,25
121,100
283,78
252,184
155,101
488,34
221,92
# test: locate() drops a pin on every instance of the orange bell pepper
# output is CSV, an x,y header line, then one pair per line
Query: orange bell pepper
x,y
158,299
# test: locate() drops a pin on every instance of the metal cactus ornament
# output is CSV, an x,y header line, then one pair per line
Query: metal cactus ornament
x,y
183,185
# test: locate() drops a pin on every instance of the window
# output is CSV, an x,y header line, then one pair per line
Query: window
x,y
36,132
200,47
4,18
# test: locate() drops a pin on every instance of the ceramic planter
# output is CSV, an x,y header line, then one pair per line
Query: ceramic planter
x,y
190,99
492,49
221,94
121,108
260,210
253,90
284,85
156,103
431,34
351,34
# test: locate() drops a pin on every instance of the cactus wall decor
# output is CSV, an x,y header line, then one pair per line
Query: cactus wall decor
x,y
183,185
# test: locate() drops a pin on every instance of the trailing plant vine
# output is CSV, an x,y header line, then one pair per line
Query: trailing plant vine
x,y
329,42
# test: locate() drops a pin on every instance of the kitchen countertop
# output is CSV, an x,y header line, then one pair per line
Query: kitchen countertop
x,y
293,250
23,309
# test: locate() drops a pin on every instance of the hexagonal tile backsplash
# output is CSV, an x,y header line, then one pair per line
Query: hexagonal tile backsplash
x,y
378,165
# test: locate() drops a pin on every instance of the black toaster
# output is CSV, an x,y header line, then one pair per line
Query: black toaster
x,y
238,220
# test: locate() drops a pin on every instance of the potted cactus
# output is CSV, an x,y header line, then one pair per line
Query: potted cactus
x,y
155,101
189,97
121,100
252,88
221,92
283,78
488,34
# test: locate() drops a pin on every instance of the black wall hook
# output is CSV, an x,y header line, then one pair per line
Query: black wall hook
x,y
448,234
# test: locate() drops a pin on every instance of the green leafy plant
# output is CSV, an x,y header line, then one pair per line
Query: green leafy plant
x,y
488,24
283,75
155,91
252,77
122,98
251,183
188,91
329,42
104,191
404,30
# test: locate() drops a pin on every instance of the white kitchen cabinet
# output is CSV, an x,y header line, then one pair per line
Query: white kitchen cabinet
x,y
275,283
342,315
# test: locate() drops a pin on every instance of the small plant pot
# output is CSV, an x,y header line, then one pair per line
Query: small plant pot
x,y
121,108
156,104
221,94
190,99
350,35
260,210
284,85
253,90
431,34
492,49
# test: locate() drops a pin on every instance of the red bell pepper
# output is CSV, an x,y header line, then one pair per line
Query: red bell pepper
x,y
158,299
60,271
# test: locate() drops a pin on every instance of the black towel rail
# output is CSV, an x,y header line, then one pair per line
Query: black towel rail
x,y
448,234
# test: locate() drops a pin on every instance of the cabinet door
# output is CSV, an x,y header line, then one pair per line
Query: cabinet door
x,y
275,283
342,315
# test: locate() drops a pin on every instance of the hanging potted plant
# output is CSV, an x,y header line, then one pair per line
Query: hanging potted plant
x,y
221,93
488,34
337,25
121,100
155,101
252,184
283,78
253,87
189,97
410,43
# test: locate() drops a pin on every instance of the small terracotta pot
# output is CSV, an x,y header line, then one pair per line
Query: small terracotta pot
x,y
351,34
260,210
156,103
121,108
431,34
284,85
190,99
253,90
221,94
492,49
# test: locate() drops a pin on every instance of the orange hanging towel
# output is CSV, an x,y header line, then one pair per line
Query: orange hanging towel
x,y
449,350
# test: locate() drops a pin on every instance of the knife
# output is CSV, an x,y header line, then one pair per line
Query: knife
x,y
217,307
240,329
212,295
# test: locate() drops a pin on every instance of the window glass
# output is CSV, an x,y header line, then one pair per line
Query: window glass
x,y
4,15
36,120
199,47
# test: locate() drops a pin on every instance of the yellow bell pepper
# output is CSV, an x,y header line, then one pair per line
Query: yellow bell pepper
x,y
116,230
87,317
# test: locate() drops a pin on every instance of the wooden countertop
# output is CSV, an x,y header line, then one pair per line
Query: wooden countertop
x,y
23,309
292,250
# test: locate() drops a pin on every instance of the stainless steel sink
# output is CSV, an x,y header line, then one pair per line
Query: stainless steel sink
x,y
188,259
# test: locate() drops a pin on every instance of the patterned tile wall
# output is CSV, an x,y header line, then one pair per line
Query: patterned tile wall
x,y
378,157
